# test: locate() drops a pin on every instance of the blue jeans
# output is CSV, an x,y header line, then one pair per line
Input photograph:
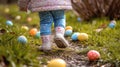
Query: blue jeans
x,y
48,17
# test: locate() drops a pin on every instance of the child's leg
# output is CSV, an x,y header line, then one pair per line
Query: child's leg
x,y
45,29
59,22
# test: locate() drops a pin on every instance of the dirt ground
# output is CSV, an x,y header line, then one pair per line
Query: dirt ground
x,y
72,56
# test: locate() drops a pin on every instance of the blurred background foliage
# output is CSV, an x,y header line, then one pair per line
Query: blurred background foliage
x,y
88,9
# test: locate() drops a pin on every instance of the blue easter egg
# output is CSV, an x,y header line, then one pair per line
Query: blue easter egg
x,y
78,19
22,39
75,36
111,25
37,35
9,23
68,32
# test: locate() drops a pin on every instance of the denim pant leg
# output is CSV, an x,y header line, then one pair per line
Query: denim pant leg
x,y
59,18
46,20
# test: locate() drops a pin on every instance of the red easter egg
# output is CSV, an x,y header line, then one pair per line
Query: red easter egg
x,y
93,55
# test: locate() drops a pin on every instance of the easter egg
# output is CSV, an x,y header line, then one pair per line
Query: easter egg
x,y
37,35
18,17
68,32
29,19
78,19
93,55
113,21
57,63
68,28
22,39
7,10
111,25
25,28
33,31
9,23
75,36
83,36
99,30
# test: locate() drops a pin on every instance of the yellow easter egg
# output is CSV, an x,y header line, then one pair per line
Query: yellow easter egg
x,y
57,63
25,28
83,36
68,28
7,10
18,17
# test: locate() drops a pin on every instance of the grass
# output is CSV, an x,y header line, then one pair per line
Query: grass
x,y
107,42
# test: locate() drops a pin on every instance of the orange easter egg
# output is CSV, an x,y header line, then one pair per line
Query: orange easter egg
x,y
33,31
29,19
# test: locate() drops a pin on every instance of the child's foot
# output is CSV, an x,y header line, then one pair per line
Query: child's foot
x,y
60,41
44,48
46,43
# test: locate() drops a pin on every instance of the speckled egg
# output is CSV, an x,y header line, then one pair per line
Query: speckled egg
x,y
22,39
68,32
93,55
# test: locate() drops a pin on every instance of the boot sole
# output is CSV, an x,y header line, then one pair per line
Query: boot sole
x,y
60,43
44,50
